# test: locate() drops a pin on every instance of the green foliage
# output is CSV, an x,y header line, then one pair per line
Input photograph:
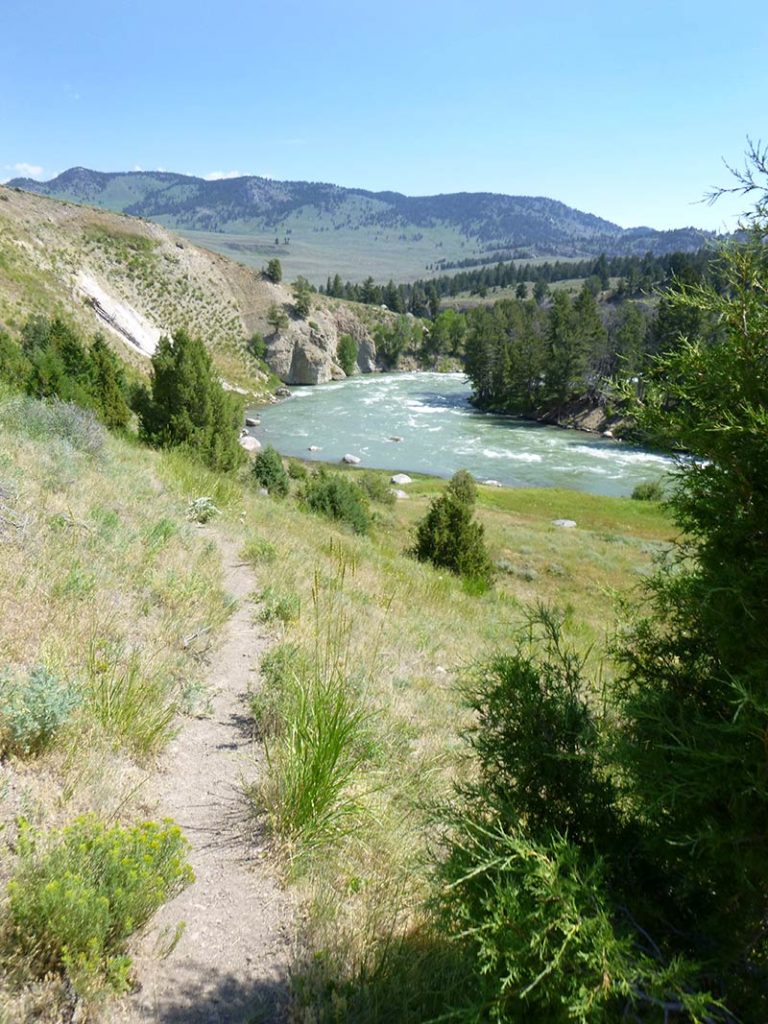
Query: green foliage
x,y
33,708
610,862
259,551
188,407
268,471
277,318
297,470
257,346
449,537
14,366
78,894
346,353
279,605
274,271
377,487
649,490
302,297
337,497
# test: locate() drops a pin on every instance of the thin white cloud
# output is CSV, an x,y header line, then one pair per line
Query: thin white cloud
x,y
222,175
26,170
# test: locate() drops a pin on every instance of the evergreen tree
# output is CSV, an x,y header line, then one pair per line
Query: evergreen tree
x,y
274,270
108,385
449,537
188,407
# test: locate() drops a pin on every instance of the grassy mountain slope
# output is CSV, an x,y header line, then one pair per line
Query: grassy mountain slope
x,y
133,280
319,228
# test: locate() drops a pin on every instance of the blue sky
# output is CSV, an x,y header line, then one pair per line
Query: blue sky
x,y
627,112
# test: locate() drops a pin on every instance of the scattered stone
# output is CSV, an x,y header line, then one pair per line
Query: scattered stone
x,y
607,433
396,437
251,444
440,671
351,460
567,524
251,421
399,494
492,483
282,392
264,492
314,448
400,479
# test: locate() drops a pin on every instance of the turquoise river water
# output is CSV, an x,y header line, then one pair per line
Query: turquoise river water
x,y
441,433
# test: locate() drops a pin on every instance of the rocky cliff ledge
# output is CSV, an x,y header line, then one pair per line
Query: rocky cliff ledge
x,y
304,352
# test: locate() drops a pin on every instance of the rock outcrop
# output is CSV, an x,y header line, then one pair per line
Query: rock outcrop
x,y
304,352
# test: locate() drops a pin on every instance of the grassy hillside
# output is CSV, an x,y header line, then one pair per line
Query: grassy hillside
x,y
109,588
319,229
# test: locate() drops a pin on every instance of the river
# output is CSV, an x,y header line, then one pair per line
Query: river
x,y
441,433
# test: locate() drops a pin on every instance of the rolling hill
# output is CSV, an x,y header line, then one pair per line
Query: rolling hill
x,y
319,229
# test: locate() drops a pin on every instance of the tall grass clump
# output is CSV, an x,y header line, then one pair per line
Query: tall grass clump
x,y
133,702
319,740
78,894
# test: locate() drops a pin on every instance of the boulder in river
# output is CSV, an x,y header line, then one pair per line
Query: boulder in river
x,y
351,460
251,421
396,437
314,448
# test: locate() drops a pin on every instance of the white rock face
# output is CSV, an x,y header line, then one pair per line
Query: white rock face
x,y
351,460
567,524
127,323
251,444
400,479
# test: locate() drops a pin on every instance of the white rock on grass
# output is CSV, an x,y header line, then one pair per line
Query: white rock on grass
x,y
567,524
400,479
399,494
492,483
251,444
351,460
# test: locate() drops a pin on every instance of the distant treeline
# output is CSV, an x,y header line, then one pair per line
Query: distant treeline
x,y
637,275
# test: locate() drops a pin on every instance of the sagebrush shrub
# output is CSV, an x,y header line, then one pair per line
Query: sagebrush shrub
x,y
54,419
79,893
202,510
33,707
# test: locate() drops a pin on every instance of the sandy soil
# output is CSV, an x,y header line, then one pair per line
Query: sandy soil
x,y
231,962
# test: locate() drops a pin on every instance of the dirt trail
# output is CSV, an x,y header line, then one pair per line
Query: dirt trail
x,y
230,964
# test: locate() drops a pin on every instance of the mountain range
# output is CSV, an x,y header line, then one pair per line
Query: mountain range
x,y
319,229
